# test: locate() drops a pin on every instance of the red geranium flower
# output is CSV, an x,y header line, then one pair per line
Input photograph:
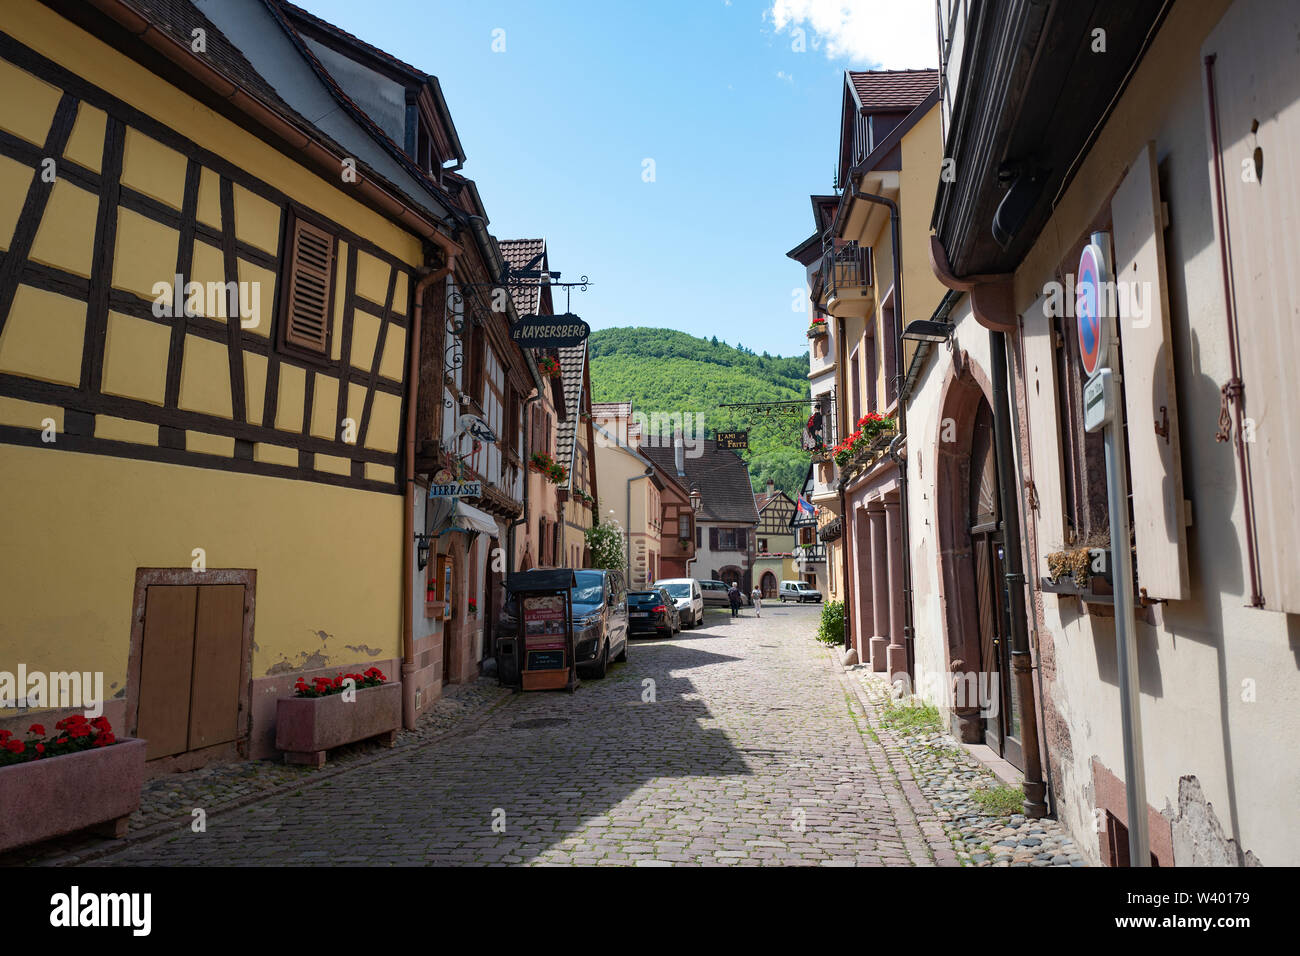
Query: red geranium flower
x,y
36,729
15,746
40,748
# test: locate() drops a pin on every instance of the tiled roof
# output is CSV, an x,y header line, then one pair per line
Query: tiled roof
x,y
892,90
721,477
573,363
519,254
611,409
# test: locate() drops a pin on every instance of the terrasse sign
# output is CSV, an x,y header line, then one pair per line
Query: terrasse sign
x,y
550,331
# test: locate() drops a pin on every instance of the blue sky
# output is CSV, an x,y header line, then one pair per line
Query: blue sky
x,y
741,128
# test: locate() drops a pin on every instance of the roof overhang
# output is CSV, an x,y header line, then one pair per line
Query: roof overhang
x,y
1031,99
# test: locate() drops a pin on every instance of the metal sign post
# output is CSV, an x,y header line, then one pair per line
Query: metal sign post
x,y
1102,413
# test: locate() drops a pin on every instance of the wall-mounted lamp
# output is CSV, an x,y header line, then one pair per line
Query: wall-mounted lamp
x,y
423,544
696,500
926,330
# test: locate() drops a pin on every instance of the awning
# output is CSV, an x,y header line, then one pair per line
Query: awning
x,y
468,518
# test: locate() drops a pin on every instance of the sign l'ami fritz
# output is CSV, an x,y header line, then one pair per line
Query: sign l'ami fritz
x,y
550,331
733,440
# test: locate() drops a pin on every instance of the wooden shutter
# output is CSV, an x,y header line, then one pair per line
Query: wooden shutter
x,y
1254,50
1155,460
1038,336
713,539
310,279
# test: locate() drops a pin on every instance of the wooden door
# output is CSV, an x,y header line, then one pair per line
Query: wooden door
x,y
191,658
166,664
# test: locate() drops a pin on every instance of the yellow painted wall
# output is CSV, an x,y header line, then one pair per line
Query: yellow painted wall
x,y
327,558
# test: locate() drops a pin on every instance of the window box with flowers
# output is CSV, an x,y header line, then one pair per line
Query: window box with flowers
x,y
326,713
817,329
80,776
548,367
555,473
873,434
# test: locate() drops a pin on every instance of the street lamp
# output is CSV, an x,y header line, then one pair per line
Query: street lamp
x,y
926,330
696,500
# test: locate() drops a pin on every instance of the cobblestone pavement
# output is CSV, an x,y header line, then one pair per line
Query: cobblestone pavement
x,y
980,814
167,802
752,752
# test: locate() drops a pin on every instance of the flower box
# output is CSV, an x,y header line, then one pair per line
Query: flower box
x,y
307,727
817,330
46,798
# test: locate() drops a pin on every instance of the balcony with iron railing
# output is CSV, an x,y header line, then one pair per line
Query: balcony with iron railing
x,y
847,278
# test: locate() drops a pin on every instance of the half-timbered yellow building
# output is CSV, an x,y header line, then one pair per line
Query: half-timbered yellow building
x,y
205,309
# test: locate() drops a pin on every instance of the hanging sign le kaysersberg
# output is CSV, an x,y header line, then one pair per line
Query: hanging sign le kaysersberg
x,y
549,331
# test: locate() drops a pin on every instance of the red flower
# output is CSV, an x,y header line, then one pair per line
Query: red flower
x,y
36,729
101,723
78,731
4,735
15,746
40,748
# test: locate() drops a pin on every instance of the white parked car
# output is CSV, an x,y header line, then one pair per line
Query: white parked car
x,y
798,591
688,597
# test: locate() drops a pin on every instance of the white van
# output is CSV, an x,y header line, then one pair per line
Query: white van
x,y
798,591
688,597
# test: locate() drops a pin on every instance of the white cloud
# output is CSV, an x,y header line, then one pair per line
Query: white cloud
x,y
878,34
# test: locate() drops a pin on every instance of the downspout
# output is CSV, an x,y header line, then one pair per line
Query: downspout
x,y
1022,662
844,498
408,485
627,532
900,442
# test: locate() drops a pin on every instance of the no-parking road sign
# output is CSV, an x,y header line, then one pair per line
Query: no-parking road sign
x,y
1091,309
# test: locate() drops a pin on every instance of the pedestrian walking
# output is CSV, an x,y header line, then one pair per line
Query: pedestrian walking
x,y
733,595
757,597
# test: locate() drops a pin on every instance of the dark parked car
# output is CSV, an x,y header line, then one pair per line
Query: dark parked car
x,y
599,602
652,612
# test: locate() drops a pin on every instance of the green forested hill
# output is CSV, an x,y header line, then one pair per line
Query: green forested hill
x,y
662,370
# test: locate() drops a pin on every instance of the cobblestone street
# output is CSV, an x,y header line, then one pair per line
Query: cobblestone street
x,y
754,751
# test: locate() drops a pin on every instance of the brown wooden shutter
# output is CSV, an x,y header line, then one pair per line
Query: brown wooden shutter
x,y
1155,457
713,539
1038,335
1253,46
310,278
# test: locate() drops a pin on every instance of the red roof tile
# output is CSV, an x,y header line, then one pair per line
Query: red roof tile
x,y
892,90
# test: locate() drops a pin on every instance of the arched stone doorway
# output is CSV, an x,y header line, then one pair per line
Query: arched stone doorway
x,y
767,585
971,577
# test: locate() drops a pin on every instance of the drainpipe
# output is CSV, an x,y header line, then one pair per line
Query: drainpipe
x,y
408,485
627,532
844,498
1022,663
899,457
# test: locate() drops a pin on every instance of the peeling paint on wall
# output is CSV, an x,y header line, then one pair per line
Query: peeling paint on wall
x,y
364,649
1199,839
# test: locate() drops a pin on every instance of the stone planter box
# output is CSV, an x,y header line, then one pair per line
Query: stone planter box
x,y
306,727
46,798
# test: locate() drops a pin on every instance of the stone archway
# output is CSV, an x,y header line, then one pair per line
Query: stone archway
x,y
767,587
965,390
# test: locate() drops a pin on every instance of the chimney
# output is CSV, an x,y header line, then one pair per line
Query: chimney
x,y
771,487
679,454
